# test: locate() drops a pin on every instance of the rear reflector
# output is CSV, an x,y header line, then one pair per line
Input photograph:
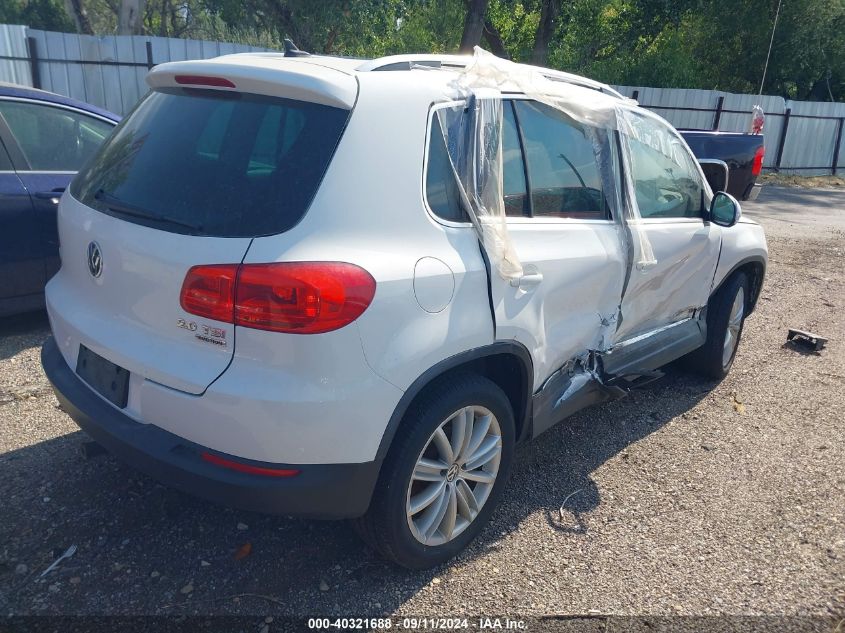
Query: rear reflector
x,y
757,165
292,297
201,80
217,460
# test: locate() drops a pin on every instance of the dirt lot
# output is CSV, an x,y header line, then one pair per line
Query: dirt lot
x,y
689,497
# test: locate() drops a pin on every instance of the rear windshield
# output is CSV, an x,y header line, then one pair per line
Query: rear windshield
x,y
204,162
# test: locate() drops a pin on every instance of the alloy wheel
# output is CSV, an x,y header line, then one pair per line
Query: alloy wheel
x,y
454,475
734,327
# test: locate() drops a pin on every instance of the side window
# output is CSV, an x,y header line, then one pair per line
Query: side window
x,y
442,190
51,138
666,180
562,168
513,167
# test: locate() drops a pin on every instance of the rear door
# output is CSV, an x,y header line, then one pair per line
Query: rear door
x,y
188,179
55,141
561,227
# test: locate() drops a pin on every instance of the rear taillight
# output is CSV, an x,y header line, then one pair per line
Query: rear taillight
x,y
209,291
293,297
757,165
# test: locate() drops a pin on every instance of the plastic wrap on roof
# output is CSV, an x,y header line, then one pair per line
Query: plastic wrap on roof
x,y
473,135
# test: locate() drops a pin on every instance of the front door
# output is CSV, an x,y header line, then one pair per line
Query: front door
x,y
671,196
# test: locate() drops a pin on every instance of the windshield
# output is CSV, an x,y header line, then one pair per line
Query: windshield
x,y
213,163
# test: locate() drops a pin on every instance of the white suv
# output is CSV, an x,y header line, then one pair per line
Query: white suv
x,y
271,294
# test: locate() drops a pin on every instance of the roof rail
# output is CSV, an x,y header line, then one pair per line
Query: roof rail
x,y
407,62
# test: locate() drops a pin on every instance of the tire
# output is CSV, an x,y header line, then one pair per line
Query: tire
x,y
390,527
714,358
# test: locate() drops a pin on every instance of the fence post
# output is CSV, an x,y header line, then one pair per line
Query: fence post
x,y
783,130
150,63
718,117
32,48
836,147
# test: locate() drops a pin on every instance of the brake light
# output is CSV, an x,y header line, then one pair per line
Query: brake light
x,y
241,467
201,80
292,297
757,165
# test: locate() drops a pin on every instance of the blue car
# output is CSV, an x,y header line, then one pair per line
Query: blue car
x,y
44,140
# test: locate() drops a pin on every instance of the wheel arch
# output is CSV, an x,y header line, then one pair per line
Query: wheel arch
x,y
755,269
501,362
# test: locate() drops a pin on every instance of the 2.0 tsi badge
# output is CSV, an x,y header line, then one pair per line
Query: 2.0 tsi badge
x,y
95,260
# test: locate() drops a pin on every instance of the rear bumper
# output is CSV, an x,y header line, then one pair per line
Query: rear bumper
x,y
329,491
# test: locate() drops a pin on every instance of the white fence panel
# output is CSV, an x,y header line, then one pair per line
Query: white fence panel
x,y
670,104
811,141
13,44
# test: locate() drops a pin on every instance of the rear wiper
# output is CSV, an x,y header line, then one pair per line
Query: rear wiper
x,y
118,206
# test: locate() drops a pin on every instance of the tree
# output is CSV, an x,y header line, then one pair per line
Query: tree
x,y
549,11
38,14
130,17
473,25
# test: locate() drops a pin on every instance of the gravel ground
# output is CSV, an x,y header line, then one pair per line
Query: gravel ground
x,y
688,497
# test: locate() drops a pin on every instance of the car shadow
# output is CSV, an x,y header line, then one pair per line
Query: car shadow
x,y
146,549
22,331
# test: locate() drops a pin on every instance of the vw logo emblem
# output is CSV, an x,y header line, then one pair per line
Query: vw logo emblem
x,y
452,473
95,260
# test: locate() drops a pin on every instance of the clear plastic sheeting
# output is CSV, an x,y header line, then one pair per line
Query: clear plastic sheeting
x,y
473,135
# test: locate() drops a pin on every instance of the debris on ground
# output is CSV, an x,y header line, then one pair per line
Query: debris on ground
x,y
807,340
243,551
568,497
68,553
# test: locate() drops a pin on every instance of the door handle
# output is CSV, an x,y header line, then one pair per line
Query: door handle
x,y
527,280
53,195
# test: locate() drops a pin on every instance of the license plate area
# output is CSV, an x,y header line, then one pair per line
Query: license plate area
x,y
107,379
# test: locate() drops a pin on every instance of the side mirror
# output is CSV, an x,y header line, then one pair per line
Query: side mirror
x,y
724,210
716,172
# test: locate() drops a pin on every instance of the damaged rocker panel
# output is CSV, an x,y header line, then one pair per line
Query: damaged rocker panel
x,y
598,377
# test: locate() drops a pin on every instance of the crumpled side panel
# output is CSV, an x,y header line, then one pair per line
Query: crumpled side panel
x,y
473,135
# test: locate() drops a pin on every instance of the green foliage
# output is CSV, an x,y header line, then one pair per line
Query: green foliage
x,y
720,44
39,14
